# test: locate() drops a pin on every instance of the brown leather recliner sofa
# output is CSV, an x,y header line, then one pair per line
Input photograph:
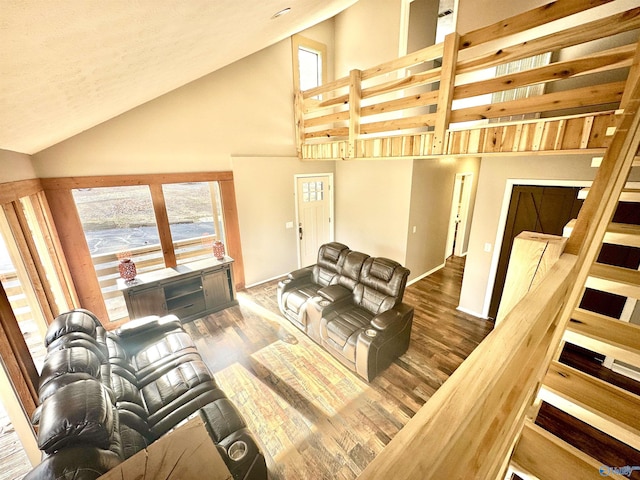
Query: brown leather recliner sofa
x,y
351,304
105,396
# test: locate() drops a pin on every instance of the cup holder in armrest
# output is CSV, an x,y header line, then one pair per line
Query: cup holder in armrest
x,y
237,450
324,303
370,332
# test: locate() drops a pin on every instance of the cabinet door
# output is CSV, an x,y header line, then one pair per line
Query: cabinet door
x,y
149,301
216,288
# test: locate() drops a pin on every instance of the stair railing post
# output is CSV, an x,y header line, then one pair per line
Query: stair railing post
x,y
355,97
445,93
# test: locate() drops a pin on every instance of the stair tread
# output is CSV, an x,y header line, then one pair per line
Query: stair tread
x,y
612,279
544,455
617,233
627,194
600,404
623,234
605,335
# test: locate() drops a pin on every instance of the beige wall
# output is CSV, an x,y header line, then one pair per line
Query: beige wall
x,y
15,166
487,225
265,195
372,199
243,109
366,34
473,14
430,209
423,21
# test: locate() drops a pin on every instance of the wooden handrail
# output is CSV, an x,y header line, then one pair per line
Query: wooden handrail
x,y
468,426
339,115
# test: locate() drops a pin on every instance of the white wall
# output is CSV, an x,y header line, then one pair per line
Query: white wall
x,y
15,166
239,118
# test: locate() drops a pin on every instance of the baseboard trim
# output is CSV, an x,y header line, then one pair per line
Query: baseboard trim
x,y
266,281
433,270
472,313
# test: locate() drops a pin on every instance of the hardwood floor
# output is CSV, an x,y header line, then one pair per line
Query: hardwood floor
x,y
313,417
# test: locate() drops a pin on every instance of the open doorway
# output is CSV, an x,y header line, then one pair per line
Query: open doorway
x,y
458,222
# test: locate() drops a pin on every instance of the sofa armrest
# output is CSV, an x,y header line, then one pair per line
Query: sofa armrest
x,y
301,273
388,338
391,318
293,279
152,323
334,293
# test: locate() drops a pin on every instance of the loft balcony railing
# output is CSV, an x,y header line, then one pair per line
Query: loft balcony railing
x,y
438,101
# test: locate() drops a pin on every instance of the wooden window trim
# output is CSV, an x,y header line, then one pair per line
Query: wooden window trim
x,y
72,239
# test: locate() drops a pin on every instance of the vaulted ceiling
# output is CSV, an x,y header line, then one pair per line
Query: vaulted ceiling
x,y
68,65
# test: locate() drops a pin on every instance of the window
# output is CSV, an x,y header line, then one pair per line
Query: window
x,y
520,92
116,220
195,218
309,58
158,226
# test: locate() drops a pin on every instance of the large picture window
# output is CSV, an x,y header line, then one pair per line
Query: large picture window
x,y
129,221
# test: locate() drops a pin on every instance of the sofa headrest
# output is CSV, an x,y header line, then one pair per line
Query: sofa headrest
x,y
383,268
351,268
385,275
80,413
73,321
69,360
331,251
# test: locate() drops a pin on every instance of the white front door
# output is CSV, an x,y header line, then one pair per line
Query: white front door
x,y
313,211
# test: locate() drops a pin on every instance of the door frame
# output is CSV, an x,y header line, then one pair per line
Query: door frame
x,y
502,223
332,222
467,188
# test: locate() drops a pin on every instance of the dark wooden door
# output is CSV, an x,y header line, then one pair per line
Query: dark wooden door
x,y
533,209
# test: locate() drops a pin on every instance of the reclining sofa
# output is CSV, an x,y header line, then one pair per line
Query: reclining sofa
x,y
351,304
105,396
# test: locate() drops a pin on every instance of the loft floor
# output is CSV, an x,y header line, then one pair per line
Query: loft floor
x,y
313,417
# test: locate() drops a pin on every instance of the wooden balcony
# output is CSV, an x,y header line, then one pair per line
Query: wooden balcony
x,y
449,99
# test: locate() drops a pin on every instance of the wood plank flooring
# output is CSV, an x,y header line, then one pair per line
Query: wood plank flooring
x,y
14,463
314,418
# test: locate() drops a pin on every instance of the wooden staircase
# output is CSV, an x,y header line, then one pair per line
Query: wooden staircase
x,y
594,401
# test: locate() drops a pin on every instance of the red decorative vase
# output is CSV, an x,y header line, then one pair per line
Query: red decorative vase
x,y
127,269
218,250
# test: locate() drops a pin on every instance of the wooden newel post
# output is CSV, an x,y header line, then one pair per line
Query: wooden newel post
x,y
355,96
445,94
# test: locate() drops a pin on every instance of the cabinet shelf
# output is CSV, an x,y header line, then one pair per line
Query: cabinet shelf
x,y
176,295
189,291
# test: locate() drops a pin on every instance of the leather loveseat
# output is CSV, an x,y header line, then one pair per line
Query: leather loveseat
x,y
351,304
105,396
